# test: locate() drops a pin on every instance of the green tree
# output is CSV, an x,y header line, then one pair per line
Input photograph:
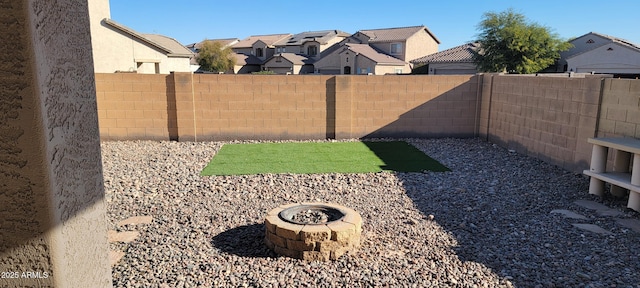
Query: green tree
x,y
510,43
214,57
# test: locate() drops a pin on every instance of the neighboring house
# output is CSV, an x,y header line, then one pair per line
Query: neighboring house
x,y
386,48
363,59
328,61
289,63
301,50
260,46
246,64
602,54
117,48
456,60
404,43
310,44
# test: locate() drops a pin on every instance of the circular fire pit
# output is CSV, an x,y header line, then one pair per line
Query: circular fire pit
x,y
313,231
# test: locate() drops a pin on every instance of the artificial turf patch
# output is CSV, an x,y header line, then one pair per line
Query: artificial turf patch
x,y
320,157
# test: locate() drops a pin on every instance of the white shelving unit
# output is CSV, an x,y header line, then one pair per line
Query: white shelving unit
x,y
621,178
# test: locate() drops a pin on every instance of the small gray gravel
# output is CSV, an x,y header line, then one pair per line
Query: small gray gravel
x,y
488,223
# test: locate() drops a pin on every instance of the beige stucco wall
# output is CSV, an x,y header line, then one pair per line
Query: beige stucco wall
x,y
114,50
52,215
418,45
391,69
359,62
608,58
329,64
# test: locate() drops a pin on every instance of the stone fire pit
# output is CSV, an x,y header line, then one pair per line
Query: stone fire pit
x,y
313,231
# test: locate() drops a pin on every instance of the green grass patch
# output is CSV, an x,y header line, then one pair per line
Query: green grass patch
x,y
320,157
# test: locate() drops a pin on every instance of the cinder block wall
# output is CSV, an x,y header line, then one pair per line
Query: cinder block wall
x,y
414,106
548,118
545,117
200,107
136,106
620,112
271,107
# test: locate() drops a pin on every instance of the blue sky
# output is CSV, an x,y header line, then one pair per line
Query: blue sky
x,y
453,22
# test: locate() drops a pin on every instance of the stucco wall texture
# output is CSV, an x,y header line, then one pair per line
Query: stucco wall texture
x,y
52,215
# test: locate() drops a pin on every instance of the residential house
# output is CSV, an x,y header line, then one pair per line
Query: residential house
x,y
301,50
456,60
246,64
386,46
404,43
260,46
328,62
117,48
599,53
364,59
289,63
310,44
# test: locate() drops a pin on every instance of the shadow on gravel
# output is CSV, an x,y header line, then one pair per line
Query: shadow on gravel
x,y
244,241
499,212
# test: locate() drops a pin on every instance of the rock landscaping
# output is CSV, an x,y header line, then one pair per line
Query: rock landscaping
x,y
498,219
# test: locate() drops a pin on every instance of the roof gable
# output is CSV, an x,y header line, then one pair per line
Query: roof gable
x,y
267,39
165,44
322,37
397,34
375,56
294,59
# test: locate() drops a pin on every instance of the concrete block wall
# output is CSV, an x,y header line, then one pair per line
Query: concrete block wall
x,y
414,106
620,109
135,106
229,107
204,107
545,117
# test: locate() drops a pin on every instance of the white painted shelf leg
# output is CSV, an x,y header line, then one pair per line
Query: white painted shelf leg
x,y
634,196
621,164
598,165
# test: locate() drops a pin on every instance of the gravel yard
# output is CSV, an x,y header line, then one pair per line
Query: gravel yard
x,y
488,223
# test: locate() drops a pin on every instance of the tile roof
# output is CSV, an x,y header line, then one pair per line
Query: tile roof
x,y
243,59
321,37
394,34
225,42
462,53
376,56
268,39
296,59
169,45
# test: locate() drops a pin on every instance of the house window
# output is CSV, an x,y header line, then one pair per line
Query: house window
x,y
312,50
278,59
364,71
396,48
398,70
258,52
